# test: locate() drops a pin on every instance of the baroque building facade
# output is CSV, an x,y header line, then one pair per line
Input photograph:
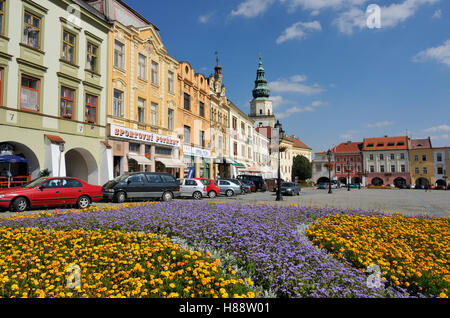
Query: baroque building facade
x,y
53,93
142,94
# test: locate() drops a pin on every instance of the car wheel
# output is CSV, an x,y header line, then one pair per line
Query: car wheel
x,y
197,195
229,193
19,205
83,202
212,194
121,197
167,196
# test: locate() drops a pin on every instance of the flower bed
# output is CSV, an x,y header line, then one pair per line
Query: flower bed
x,y
264,240
111,264
411,252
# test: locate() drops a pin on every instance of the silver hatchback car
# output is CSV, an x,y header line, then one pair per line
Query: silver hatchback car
x,y
228,188
192,188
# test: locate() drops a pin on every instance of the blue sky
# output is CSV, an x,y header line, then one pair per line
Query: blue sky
x,y
332,78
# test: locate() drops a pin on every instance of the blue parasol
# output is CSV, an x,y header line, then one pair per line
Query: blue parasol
x,y
12,159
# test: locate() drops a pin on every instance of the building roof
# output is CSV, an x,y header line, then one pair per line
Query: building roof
x,y
420,143
348,147
55,139
297,142
386,143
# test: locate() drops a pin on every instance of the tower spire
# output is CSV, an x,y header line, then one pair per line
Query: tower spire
x,y
218,68
261,89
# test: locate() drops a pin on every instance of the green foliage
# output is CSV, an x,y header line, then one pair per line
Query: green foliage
x,y
301,168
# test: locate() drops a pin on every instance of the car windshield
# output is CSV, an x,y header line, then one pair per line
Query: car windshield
x,y
121,178
35,183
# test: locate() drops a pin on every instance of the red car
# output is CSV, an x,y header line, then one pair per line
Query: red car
x,y
211,187
50,192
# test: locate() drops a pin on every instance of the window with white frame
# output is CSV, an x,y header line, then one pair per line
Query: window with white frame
x,y
155,73
142,67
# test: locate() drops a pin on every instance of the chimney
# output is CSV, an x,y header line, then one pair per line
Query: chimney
x,y
108,8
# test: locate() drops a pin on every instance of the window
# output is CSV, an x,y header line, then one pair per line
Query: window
x,y
154,114
170,119
235,149
439,157
187,134
118,103
142,67
154,178
187,101
155,73
134,147
392,168
425,170
2,16
1,86
440,170
202,138
72,183
31,30
92,52
141,110
403,167
424,157
118,54
68,50
202,109
29,93
91,109
170,82
417,171
392,156
381,168
372,169
338,168
67,102
234,123
136,178
370,157
163,151
416,158
167,178
381,157
402,156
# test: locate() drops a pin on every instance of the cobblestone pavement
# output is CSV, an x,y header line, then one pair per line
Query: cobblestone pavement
x,y
405,202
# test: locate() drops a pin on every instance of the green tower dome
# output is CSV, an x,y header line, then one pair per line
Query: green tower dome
x,y
261,89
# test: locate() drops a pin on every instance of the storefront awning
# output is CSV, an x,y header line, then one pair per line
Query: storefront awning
x,y
171,163
239,165
142,160
224,160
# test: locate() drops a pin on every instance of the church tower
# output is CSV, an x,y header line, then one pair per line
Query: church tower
x,y
261,107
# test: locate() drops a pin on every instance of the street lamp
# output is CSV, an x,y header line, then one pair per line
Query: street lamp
x,y
329,170
280,138
61,150
348,169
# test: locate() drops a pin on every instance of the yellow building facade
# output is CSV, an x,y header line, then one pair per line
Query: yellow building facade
x,y
421,157
193,122
142,97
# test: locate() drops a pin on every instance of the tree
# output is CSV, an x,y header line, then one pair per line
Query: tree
x,y
301,168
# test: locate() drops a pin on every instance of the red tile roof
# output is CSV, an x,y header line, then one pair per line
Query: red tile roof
x,y
55,139
420,143
348,147
266,131
297,143
386,143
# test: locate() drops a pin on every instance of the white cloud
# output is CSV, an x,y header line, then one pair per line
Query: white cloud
x,y
440,137
316,5
349,135
380,124
391,15
252,8
298,109
279,101
205,18
295,85
440,128
440,54
437,14
299,31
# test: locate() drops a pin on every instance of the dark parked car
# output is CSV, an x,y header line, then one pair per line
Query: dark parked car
x,y
141,186
50,192
290,188
259,181
323,185
248,186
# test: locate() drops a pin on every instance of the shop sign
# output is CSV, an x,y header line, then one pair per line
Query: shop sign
x,y
196,152
144,136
